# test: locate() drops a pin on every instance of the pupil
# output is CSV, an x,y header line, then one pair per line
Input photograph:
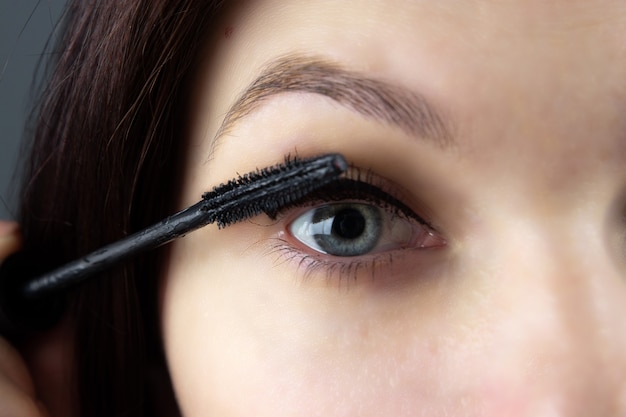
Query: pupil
x,y
349,224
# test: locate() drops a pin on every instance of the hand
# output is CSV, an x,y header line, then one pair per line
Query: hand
x,y
17,391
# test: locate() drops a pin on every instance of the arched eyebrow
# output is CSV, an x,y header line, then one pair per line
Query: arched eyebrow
x,y
382,101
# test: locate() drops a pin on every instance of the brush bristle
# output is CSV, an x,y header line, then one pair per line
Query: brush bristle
x,y
271,189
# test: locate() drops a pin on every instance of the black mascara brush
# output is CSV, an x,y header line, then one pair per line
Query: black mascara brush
x,y
263,191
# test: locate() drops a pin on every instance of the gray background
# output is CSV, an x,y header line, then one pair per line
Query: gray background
x,y
25,26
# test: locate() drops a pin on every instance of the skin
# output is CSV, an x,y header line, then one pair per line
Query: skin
x,y
520,313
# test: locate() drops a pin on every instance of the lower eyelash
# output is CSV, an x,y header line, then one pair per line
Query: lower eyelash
x,y
338,272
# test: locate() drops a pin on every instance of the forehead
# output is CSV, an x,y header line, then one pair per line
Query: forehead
x,y
479,25
526,77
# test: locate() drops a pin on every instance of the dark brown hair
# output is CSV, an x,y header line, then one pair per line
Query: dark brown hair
x,y
103,163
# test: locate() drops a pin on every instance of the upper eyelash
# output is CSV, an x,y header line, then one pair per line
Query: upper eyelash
x,y
359,185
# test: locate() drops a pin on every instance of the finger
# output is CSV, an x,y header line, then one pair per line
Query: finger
x,y
50,360
16,403
10,238
13,369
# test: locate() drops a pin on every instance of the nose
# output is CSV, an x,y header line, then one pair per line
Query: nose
x,y
559,337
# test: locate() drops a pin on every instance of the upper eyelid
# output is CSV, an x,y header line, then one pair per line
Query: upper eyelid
x,y
356,184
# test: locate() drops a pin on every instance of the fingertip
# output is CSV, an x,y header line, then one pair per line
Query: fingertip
x,y
10,238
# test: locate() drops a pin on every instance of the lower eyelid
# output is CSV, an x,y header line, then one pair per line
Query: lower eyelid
x,y
333,270
406,263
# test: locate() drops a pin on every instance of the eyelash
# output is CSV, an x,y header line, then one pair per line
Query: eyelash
x,y
356,185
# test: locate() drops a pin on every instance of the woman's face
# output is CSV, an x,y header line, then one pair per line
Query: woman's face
x,y
480,268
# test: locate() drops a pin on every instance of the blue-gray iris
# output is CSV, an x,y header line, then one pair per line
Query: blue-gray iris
x,y
348,229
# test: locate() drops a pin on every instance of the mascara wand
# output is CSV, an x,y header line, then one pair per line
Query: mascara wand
x,y
31,305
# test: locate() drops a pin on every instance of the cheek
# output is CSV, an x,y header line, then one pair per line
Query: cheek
x,y
247,338
245,334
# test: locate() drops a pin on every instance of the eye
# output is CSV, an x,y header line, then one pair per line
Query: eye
x,y
355,226
349,229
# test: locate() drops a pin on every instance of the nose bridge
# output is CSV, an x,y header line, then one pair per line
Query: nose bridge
x,y
565,312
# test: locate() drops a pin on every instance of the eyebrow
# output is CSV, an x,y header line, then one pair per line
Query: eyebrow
x,y
382,101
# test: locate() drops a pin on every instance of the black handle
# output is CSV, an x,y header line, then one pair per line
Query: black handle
x,y
20,315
